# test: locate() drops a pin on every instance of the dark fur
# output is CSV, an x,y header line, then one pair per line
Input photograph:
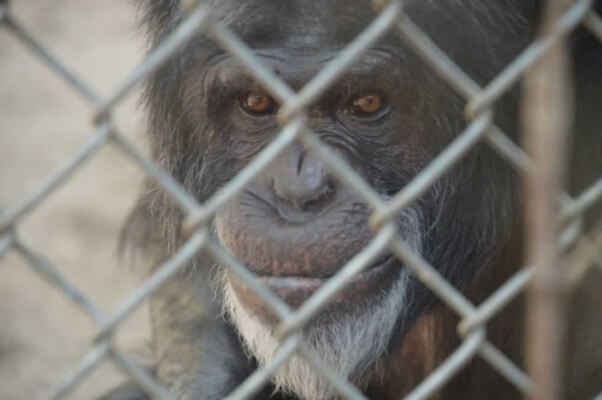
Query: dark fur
x,y
473,216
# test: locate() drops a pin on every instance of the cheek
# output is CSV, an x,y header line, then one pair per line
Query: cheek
x,y
232,138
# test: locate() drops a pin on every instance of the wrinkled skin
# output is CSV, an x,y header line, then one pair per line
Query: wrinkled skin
x,y
296,225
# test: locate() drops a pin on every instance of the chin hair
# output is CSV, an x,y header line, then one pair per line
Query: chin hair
x,y
350,342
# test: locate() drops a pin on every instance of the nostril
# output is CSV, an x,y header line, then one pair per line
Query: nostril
x,y
303,194
301,181
301,210
319,199
300,163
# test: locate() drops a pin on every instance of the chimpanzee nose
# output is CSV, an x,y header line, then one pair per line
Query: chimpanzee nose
x,y
302,182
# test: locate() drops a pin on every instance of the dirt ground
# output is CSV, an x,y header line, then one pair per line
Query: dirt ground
x,y
43,123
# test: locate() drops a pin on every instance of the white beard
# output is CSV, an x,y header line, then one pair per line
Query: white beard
x,y
349,344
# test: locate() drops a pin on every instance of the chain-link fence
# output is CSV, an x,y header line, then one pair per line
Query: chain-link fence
x,y
544,191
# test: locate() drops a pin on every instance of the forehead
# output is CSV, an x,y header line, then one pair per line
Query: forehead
x,y
298,23
295,23
479,35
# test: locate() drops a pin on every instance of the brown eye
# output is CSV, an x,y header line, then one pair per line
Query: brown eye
x,y
367,104
258,103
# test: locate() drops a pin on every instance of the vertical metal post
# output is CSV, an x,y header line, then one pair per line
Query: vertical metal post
x,y
547,117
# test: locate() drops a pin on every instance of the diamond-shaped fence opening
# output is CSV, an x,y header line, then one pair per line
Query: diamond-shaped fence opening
x,y
481,129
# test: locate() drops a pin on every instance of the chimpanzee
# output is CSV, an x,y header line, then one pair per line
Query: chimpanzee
x,y
296,225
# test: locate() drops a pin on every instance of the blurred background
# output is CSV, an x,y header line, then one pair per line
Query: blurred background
x,y
43,123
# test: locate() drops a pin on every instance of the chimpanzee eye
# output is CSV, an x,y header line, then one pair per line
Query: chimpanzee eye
x,y
258,103
367,104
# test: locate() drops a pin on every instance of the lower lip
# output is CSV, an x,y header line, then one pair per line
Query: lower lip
x,y
295,290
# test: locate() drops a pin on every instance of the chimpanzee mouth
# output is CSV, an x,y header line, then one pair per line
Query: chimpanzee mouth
x,y
294,290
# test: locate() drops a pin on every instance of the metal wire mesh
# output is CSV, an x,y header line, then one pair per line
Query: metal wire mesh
x,y
480,129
